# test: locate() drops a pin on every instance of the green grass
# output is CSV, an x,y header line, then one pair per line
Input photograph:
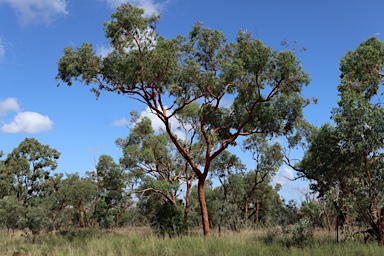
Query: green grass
x,y
136,241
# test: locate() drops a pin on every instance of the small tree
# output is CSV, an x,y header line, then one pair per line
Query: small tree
x,y
29,165
113,190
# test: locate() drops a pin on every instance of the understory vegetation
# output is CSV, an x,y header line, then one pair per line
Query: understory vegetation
x,y
141,241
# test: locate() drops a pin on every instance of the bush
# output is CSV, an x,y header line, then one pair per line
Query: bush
x,y
169,220
297,234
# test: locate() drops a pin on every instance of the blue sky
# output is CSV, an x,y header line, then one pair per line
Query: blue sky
x,y
33,34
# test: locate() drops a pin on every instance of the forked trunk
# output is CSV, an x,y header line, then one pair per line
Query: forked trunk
x,y
203,206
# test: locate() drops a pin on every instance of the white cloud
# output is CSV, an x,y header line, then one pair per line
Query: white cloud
x,y
9,105
150,6
37,11
103,51
28,122
158,125
120,122
283,176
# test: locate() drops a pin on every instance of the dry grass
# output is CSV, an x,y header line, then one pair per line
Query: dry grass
x,y
142,241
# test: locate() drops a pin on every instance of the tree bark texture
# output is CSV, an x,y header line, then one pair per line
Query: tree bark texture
x,y
203,206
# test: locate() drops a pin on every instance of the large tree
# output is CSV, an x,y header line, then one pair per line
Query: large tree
x,y
231,90
347,159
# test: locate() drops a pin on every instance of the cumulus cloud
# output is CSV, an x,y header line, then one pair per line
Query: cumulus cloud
x,y
37,11
150,6
9,105
28,122
120,122
23,121
282,175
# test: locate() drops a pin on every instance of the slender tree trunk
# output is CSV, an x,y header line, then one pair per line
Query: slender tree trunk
x,y
381,226
257,212
117,219
326,216
337,229
203,206
245,214
81,217
187,201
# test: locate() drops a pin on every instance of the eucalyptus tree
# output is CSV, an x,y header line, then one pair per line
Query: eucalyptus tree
x,y
268,158
29,166
347,159
227,169
154,164
80,195
248,192
6,180
202,70
113,188
150,158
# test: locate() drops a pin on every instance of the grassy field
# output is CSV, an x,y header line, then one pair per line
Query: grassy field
x,y
141,241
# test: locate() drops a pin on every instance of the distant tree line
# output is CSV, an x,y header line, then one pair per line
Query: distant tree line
x,y
150,186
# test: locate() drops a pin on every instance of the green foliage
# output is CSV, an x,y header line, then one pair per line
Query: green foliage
x,y
6,181
361,69
168,219
313,211
345,161
30,165
37,220
298,234
194,75
302,232
11,213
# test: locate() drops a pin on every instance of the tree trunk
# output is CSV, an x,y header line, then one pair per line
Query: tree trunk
x,y
381,226
117,219
81,217
257,212
187,203
245,214
326,216
203,206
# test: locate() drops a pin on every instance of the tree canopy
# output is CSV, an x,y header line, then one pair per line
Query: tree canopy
x,y
345,161
192,79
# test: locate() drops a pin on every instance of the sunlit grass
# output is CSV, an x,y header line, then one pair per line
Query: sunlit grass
x,y
141,241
